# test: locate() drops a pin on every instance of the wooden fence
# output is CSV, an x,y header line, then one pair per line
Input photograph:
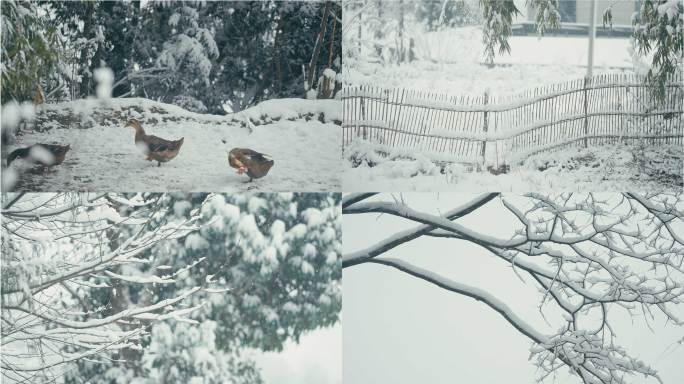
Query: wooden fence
x,y
490,130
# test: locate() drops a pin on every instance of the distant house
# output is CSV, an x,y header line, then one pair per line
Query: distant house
x,y
578,11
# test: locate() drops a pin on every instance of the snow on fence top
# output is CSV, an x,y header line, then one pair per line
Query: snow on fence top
x,y
603,108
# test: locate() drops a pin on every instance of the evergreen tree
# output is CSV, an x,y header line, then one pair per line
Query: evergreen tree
x,y
199,55
270,268
99,33
31,50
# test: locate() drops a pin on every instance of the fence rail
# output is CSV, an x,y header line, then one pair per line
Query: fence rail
x,y
491,130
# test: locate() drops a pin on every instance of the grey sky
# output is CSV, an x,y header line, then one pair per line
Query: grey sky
x,y
317,359
398,329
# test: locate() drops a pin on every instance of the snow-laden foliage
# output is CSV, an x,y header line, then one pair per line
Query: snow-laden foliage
x,y
190,51
31,50
59,251
547,14
158,288
438,14
658,28
498,16
277,253
189,103
595,258
270,270
382,30
581,348
378,29
228,52
186,353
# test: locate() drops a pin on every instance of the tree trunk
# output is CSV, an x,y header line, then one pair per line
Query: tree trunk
x,y
276,53
319,44
360,31
402,55
329,84
85,86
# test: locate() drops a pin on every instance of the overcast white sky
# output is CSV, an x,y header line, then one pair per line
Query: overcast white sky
x,y
317,359
398,329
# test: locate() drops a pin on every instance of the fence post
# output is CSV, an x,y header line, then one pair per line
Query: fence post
x,y
485,127
363,114
586,111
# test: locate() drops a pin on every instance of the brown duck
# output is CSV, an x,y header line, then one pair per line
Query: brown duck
x,y
251,162
156,148
57,151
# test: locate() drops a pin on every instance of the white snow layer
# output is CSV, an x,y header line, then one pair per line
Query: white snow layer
x,y
302,136
599,168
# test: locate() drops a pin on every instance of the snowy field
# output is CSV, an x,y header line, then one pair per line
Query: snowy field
x,y
302,136
457,68
606,168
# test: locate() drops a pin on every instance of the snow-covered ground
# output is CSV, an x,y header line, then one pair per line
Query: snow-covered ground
x,y
603,168
451,61
302,136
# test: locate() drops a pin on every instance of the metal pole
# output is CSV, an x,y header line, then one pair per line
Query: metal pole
x,y
592,37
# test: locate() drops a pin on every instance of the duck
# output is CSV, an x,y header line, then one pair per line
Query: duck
x,y
156,148
43,154
251,162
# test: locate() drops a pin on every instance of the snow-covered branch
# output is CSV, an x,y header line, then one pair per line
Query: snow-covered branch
x,y
586,253
466,290
413,233
58,249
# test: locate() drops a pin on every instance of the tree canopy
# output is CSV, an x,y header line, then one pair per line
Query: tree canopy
x,y
155,288
203,56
